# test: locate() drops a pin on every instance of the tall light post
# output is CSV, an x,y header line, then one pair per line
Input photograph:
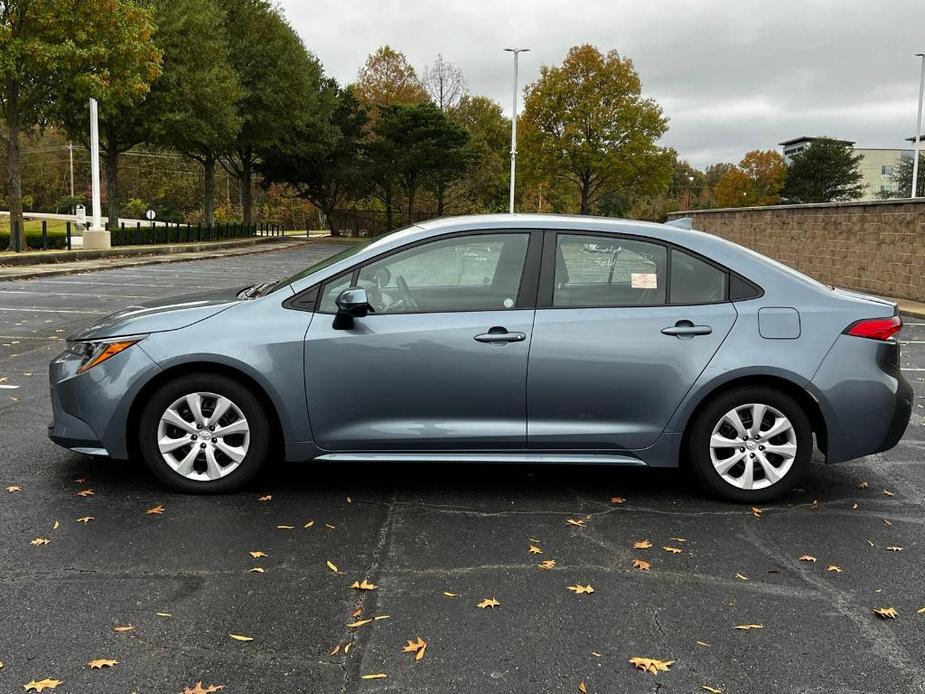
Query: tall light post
x,y
516,52
918,130
96,236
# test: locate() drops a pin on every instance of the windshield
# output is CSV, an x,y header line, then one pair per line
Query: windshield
x,y
321,264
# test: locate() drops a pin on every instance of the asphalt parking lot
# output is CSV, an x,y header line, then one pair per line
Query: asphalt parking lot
x,y
436,540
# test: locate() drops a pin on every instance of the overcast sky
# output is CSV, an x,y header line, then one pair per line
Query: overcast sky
x,y
732,75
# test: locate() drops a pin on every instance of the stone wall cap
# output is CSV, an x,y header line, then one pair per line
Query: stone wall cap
x,y
805,206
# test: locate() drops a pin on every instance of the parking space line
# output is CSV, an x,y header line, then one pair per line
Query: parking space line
x,y
55,310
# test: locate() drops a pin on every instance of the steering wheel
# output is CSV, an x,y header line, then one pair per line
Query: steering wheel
x,y
407,299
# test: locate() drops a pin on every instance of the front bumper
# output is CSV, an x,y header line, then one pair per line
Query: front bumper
x,y
90,409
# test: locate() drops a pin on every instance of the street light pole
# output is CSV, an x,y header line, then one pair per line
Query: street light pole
x,y
516,52
96,236
918,130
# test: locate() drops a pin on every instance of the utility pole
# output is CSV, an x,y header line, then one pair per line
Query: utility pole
x,y
70,152
918,131
516,52
96,236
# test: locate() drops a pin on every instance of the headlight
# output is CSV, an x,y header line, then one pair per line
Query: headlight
x,y
96,352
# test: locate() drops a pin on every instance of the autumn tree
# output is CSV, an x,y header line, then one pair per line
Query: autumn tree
x,y
445,84
588,127
280,81
58,51
825,171
757,180
386,79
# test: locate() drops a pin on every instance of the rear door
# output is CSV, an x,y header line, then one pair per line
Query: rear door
x,y
614,349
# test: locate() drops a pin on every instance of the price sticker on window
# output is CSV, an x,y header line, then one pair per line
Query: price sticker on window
x,y
643,280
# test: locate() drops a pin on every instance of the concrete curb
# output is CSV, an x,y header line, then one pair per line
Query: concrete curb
x,y
138,256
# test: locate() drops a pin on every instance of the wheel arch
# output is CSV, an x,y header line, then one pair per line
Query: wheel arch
x,y
198,368
798,392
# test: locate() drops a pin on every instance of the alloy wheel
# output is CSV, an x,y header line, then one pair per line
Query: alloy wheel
x,y
753,446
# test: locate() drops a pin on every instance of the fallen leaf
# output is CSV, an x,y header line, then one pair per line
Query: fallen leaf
x,y
349,500
199,689
547,564
309,524
163,614
257,570
40,685
285,527
870,543
155,510
886,612
329,526
576,521
863,484
14,488
920,610
100,663
80,480
617,500
334,650
579,589
679,539
673,550
40,541
641,564
241,637
651,665
583,688
596,654
807,557
85,519
86,492
756,512
382,616
703,643
642,544
742,577
451,595
359,623
854,506
265,497
56,525
749,627
347,648
894,548
833,567
363,585
258,554
123,629
535,550
417,647
886,522
377,676
712,690
488,602
331,566
356,612
887,492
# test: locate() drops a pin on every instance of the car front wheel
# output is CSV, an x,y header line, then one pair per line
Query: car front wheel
x,y
204,434
751,444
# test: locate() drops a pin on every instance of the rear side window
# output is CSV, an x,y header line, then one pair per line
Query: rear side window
x,y
694,281
599,271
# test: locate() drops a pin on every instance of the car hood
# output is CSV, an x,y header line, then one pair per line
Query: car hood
x,y
158,315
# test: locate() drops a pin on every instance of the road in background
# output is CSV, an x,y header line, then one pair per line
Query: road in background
x,y
436,540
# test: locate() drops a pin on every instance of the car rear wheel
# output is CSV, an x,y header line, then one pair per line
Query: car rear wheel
x,y
751,444
204,434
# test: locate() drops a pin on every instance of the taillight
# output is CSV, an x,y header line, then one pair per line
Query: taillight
x,y
876,328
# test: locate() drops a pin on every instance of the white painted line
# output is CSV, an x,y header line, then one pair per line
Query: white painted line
x,y
2,387
55,310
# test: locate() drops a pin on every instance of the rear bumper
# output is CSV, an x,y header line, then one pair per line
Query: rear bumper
x,y
865,399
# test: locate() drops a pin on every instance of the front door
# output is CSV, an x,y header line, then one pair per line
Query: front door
x,y
440,363
614,349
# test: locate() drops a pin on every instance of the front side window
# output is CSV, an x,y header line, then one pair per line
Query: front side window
x,y
600,271
694,281
480,272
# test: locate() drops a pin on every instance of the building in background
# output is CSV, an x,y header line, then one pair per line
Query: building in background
x,y
877,165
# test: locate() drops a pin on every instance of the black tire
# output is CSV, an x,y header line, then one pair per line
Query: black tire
x,y
701,429
244,400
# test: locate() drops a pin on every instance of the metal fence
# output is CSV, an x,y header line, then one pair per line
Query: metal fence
x,y
350,222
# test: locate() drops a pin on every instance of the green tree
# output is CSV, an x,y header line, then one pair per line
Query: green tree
x,y
587,126
902,177
321,157
486,178
416,146
195,102
281,84
386,79
65,51
826,171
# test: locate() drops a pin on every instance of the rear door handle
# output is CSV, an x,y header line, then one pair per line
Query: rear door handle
x,y
685,328
500,336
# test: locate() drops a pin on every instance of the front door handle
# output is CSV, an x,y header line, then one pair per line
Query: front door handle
x,y
685,328
499,335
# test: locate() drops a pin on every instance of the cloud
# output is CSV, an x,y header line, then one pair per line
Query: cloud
x,y
732,75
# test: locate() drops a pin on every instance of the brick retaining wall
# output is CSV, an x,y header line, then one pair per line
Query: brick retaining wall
x,y
877,247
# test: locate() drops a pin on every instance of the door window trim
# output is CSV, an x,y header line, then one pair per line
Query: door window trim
x,y
547,277
526,292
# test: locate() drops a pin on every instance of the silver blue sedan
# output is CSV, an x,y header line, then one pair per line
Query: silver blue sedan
x,y
514,338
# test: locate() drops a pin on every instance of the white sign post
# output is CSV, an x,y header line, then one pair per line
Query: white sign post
x,y
96,236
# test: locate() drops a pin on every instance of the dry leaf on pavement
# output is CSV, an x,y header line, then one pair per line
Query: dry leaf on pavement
x,y
641,564
749,627
451,595
673,550
642,544
265,498
807,557
617,500
100,663
712,690
488,602
579,589
363,585
86,492
417,647
894,548
41,685
241,637
258,554
742,577
863,484
40,541
535,550
377,676
155,510
359,623
834,568
199,689
331,566
583,688
85,519
886,612
123,629
579,522
652,665
756,512
547,564
257,570
14,488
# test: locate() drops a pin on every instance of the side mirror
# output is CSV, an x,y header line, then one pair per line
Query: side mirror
x,y
351,303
